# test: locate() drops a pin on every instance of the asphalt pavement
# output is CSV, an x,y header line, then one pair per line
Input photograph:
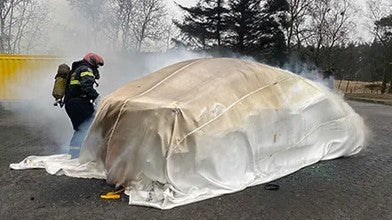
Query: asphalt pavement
x,y
358,187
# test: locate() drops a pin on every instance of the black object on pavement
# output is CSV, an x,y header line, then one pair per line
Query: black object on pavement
x,y
271,186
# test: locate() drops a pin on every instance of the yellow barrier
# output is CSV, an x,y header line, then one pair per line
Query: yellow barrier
x,y
16,69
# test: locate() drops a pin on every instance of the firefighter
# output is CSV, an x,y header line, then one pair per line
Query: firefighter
x,y
80,97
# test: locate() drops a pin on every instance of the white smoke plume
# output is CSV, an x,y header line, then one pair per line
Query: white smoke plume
x,y
310,72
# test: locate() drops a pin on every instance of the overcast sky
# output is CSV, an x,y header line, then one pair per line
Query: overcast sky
x,y
182,2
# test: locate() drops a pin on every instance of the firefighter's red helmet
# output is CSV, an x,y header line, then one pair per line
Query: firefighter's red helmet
x,y
94,59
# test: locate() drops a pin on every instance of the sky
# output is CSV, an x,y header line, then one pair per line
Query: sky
x,y
62,9
181,2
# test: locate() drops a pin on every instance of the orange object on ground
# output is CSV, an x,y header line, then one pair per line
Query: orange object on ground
x,y
111,195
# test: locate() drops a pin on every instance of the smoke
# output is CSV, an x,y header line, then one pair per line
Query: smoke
x,y
309,71
35,107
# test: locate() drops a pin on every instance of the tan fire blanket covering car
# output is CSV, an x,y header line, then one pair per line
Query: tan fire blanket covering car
x,y
207,127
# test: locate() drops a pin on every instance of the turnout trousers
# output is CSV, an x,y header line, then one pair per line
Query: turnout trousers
x,y
81,113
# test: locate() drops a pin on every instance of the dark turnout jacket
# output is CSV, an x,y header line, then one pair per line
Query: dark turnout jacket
x,y
81,82
80,92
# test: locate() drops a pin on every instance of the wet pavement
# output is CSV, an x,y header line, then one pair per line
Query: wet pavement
x,y
359,187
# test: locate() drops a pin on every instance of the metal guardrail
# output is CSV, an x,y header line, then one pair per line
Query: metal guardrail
x,y
18,69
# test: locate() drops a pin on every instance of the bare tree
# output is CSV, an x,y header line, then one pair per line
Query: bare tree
x,y
296,17
150,23
380,16
142,22
329,24
21,23
126,13
170,32
97,19
376,11
131,24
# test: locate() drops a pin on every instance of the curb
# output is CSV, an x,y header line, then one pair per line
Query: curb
x,y
376,101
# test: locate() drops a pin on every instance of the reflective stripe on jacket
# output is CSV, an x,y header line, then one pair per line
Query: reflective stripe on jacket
x,y
81,84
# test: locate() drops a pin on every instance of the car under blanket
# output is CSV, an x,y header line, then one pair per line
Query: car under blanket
x,y
207,127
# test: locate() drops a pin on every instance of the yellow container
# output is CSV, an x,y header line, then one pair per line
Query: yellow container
x,y
16,69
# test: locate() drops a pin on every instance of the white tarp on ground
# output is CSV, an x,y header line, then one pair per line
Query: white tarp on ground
x,y
206,127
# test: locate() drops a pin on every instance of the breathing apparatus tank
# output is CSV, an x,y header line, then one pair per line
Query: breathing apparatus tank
x,y
60,83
